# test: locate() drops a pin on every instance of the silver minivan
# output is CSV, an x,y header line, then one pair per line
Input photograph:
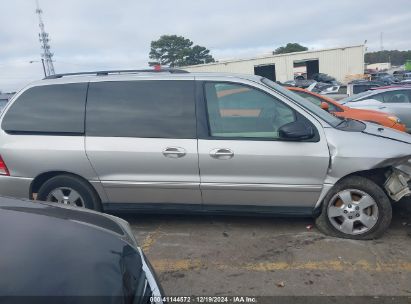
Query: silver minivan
x,y
172,141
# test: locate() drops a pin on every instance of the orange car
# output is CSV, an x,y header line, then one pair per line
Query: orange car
x,y
339,110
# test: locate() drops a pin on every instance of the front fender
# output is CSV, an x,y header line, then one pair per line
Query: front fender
x,y
352,152
357,152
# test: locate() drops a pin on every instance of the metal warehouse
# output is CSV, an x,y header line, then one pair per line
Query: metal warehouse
x,y
340,63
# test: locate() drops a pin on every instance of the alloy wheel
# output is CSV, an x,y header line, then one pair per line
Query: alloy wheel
x,y
67,196
353,211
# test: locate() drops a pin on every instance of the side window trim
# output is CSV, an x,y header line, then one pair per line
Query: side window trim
x,y
203,126
201,110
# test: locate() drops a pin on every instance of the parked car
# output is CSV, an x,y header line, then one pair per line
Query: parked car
x,y
359,86
379,74
406,76
395,100
338,92
398,74
385,78
321,77
173,141
402,75
301,83
339,110
62,254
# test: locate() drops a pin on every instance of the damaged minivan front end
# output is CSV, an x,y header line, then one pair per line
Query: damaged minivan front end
x,y
369,169
397,184
383,151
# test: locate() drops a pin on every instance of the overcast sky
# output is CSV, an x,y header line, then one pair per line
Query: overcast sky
x,y
102,34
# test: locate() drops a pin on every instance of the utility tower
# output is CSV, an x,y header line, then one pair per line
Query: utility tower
x,y
47,55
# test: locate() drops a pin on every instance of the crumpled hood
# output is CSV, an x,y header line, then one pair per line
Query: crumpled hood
x,y
381,131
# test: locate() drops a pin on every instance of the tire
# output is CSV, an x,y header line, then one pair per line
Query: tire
x,y
71,187
362,192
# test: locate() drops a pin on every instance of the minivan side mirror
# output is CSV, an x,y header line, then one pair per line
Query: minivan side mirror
x,y
296,130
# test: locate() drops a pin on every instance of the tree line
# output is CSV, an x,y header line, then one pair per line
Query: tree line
x,y
395,57
177,51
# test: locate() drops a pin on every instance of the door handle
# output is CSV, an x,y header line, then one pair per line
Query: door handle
x,y
174,152
222,153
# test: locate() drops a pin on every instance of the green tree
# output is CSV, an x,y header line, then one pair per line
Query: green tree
x,y
290,48
177,51
395,57
198,55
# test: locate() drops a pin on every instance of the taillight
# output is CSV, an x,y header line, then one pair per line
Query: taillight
x,y
3,167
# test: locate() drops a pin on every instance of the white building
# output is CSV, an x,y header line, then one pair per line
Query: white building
x,y
381,66
340,63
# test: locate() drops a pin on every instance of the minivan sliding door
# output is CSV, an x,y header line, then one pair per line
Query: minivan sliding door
x,y
141,140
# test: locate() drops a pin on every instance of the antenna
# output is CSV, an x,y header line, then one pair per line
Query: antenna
x,y
381,42
47,55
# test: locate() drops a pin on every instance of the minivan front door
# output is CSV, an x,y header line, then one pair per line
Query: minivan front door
x,y
243,161
141,140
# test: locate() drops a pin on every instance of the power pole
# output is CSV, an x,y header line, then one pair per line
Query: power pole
x,y
47,55
381,59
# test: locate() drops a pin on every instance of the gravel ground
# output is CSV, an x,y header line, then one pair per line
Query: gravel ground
x,y
252,256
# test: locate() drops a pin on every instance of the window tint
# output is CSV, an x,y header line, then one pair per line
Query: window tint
x,y
379,97
240,111
48,109
324,115
359,88
333,108
317,101
356,97
397,96
157,109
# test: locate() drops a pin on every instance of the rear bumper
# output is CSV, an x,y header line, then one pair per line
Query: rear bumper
x,y
18,187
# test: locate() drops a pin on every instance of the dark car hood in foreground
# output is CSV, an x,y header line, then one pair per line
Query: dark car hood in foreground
x,y
51,251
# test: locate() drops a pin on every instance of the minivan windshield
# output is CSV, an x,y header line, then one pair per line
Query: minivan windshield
x,y
317,111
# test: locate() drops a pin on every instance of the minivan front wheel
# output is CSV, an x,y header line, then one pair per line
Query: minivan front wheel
x,y
69,190
355,208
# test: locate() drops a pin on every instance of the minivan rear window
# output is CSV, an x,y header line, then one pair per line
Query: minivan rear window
x,y
144,108
48,109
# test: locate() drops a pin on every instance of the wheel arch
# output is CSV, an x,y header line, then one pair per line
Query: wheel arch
x,y
369,186
377,175
40,179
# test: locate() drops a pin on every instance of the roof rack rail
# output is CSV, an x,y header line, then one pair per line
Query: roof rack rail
x,y
105,73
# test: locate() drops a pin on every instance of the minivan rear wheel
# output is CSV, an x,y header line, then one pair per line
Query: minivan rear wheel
x,y
69,190
356,208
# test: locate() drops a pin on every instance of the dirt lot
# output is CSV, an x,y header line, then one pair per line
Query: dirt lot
x,y
228,255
